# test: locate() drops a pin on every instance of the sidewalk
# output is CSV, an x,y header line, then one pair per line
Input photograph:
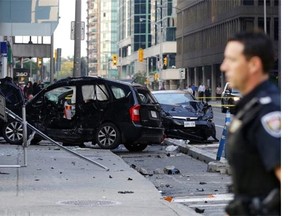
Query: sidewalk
x,y
204,152
58,183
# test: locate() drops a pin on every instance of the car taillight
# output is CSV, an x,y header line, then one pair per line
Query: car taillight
x,y
134,113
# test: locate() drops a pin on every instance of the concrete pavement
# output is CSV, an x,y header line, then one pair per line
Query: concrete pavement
x,y
58,183
204,152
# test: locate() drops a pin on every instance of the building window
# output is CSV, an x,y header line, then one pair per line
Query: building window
x,y
276,3
261,24
171,34
248,2
247,23
276,29
261,2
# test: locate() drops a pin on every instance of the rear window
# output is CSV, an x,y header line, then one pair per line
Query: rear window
x,y
145,97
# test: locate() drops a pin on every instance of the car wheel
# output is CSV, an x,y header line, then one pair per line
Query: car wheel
x,y
108,136
135,147
13,132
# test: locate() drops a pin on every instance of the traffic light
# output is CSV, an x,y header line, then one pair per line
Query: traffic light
x,y
140,55
156,76
165,61
39,62
114,60
55,54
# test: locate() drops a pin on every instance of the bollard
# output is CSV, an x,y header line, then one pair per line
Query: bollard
x,y
223,137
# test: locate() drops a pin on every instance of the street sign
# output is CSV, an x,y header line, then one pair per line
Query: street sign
x,y
3,48
2,108
72,33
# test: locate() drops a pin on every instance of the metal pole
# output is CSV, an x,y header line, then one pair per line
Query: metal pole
x,y
146,25
182,39
265,24
147,72
30,67
24,145
160,42
77,39
51,59
16,117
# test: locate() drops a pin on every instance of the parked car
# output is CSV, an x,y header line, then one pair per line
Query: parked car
x,y
229,98
106,112
184,117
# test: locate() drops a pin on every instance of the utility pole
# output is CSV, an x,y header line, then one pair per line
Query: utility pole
x,y
51,59
265,17
159,26
77,40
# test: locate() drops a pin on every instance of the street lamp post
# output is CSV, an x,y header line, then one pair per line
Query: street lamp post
x,y
77,39
147,71
160,34
159,29
265,15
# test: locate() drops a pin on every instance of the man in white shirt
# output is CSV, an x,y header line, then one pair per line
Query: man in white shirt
x,y
201,90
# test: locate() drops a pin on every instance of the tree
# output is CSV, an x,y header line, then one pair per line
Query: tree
x,y
139,78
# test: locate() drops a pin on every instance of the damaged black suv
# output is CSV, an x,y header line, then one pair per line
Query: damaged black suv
x,y
97,110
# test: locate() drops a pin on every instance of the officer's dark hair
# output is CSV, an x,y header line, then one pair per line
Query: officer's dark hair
x,y
257,44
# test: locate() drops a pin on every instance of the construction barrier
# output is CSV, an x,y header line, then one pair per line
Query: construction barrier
x,y
223,137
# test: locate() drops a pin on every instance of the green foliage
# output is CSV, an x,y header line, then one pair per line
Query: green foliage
x,y
139,78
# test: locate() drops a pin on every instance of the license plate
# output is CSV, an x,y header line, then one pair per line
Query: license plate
x,y
189,124
153,114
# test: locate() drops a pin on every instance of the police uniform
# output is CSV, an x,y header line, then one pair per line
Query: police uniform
x,y
254,147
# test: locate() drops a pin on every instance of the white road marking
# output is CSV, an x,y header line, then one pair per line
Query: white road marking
x,y
207,205
212,197
219,126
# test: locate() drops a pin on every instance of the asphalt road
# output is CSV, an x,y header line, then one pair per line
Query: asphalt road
x,y
193,186
179,176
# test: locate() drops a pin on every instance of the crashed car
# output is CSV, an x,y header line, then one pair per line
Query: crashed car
x,y
184,117
97,110
14,99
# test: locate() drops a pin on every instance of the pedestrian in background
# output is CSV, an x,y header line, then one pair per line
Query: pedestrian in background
x,y
218,92
36,88
201,91
28,90
254,135
207,93
194,89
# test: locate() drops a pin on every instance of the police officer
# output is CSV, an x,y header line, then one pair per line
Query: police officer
x,y
253,142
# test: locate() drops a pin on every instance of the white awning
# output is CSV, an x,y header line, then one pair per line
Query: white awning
x,y
28,17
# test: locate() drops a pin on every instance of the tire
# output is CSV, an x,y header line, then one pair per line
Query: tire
x,y
13,132
135,147
108,136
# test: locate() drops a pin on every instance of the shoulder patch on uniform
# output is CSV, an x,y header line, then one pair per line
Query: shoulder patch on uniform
x,y
272,123
265,100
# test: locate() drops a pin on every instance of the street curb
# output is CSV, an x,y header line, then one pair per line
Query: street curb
x,y
213,165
